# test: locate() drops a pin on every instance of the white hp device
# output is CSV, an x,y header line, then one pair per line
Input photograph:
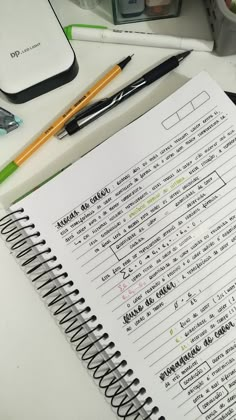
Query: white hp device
x,y
35,54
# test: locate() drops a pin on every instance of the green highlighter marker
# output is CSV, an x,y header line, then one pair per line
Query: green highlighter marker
x,y
97,33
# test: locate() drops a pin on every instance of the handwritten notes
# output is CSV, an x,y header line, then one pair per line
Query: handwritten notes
x,y
145,226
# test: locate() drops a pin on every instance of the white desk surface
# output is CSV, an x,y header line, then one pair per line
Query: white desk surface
x,y
40,376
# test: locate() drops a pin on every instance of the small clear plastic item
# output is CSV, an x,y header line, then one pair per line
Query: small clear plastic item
x,y
8,122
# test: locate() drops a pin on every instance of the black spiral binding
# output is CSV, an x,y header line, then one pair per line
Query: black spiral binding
x,y
84,333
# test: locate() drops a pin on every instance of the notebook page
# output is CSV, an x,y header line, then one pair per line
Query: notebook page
x,y
145,226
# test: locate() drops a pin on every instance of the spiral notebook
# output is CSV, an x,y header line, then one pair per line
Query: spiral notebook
x,y
133,250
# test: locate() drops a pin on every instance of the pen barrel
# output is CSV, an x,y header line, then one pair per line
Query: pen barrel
x,y
161,70
149,77
99,85
105,106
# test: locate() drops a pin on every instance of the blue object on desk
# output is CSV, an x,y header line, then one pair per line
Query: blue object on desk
x,y
8,122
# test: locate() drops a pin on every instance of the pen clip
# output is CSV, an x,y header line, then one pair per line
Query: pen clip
x,y
88,110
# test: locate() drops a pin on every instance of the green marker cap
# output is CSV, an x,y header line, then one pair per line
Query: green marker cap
x,y
7,171
68,29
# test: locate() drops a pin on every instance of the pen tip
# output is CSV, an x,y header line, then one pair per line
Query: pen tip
x,y
183,55
124,62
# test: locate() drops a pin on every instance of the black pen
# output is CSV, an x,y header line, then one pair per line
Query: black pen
x,y
101,107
